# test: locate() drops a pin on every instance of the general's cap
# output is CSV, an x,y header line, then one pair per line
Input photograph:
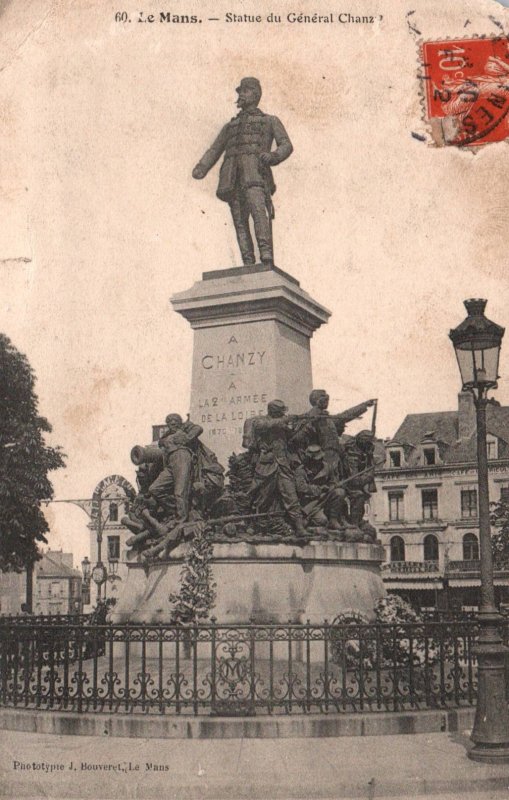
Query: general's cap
x,y
250,83
365,435
314,451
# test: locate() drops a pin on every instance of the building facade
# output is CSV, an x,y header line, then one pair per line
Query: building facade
x,y
426,505
111,499
56,589
57,586
13,588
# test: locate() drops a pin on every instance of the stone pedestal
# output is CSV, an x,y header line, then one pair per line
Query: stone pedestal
x,y
265,583
252,330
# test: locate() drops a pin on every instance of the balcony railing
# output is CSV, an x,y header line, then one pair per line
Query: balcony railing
x,y
472,566
411,567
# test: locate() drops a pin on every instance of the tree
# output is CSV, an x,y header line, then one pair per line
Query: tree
x,y
25,461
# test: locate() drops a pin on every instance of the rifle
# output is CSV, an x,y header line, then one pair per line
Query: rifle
x,y
344,416
243,517
320,501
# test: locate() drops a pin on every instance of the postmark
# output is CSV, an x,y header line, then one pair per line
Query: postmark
x,y
466,86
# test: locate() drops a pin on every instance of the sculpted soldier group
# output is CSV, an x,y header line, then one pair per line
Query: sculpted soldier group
x,y
178,481
300,467
306,466
300,473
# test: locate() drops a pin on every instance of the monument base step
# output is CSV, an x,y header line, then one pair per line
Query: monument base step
x,y
259,727
264,583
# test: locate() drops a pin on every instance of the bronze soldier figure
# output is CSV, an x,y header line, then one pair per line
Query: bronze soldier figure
x,y
274,481
245,179
360,456
175,479
323,501
319,427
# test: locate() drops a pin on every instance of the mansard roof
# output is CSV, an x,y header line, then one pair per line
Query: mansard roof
x,y
443,424
49,567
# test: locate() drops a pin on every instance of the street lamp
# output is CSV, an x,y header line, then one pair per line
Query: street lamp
x,y
93,507
477,343
85,568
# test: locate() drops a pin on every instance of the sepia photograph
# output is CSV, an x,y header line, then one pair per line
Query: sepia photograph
x,y
254,400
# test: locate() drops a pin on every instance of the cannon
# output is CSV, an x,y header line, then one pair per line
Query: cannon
x,y
151,454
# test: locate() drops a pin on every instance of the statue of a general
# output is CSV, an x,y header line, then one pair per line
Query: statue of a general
x,y
245,179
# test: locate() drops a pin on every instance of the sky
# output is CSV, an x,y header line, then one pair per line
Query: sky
x,y
101,123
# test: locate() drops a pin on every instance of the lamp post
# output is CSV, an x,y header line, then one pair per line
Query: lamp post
x,y
113,578
93,506
99,573
85,569
477,343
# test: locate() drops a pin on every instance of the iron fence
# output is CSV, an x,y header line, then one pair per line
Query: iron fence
x,y
217,669
46,619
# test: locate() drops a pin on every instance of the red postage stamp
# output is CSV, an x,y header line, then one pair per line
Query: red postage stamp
x,y
467,90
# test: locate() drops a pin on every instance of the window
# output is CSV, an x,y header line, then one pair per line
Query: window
x,y
470,547
468,503
397,549
430,548
429,455
504,495
113,548
429,504
113,512
492,446
396,511
395,458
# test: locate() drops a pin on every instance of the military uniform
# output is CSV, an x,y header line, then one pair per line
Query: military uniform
x,y
323,502
244,183
322,430
318,427
359,452
175,479
273,480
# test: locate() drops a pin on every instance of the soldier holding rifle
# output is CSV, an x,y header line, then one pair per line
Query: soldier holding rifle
x,y
319,427
273,484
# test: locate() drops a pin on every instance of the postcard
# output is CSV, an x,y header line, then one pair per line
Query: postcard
x,y
363,200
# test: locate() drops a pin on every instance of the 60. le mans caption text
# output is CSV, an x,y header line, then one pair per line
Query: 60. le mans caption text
x,y
343,17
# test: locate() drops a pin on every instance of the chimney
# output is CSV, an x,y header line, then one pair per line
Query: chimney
x,y
466,415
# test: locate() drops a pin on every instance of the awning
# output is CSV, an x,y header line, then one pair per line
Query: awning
x,y
392,584
476,582
465,582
